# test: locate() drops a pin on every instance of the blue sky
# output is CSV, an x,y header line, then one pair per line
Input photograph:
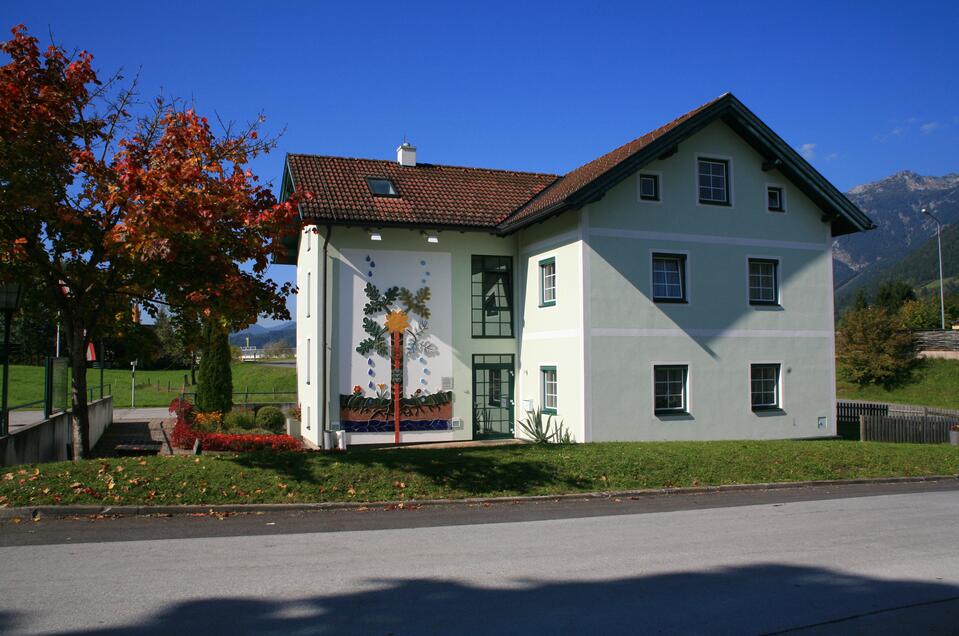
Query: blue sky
x,y
862,89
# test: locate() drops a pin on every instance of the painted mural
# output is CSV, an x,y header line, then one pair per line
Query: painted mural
x,y
401,359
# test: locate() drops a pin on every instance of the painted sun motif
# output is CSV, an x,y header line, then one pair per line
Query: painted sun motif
x,y
397,321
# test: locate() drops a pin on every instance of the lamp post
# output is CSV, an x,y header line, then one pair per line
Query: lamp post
x,y
10,294
942,293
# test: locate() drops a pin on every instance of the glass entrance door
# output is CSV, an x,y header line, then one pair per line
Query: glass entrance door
x,y
492,396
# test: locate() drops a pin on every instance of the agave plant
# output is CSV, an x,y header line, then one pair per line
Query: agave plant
x,y
544,428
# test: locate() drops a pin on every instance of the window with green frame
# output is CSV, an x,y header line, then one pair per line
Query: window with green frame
x,y
548,389
492,296
547,282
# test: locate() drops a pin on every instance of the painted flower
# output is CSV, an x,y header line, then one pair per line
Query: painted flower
x,y
397,321
357,389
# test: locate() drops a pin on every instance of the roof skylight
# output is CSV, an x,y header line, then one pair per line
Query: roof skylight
x,y
381,187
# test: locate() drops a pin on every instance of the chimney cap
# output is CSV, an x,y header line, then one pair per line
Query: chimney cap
x,y
406,154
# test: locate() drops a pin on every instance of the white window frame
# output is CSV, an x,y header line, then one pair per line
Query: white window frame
x,y
687,300
779,276
687,388
782,198
710,156
659,186
779,386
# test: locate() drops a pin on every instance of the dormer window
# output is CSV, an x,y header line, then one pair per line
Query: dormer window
x,y
381,187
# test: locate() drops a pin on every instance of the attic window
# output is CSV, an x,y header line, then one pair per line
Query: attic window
x,y
380,187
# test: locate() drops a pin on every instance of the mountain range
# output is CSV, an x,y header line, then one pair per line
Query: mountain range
x,y
259,335
903,245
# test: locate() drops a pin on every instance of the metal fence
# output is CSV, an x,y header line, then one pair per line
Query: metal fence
x,y
254,398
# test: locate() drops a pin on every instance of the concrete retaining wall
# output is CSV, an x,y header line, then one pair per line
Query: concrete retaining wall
x,y
52,439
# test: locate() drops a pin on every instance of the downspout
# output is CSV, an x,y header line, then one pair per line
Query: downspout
x,y
324,419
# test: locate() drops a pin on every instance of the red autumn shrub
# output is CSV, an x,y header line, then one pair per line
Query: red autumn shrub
x,y
184,436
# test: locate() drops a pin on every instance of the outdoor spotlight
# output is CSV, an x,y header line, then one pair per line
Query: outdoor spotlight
x,y
376,236
431,238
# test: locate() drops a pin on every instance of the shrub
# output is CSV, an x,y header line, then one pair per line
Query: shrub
x,y
241,418
184,436
215,390
207,421
873,347
270,418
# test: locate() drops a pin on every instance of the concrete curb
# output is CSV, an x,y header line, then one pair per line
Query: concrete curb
x,y
60,512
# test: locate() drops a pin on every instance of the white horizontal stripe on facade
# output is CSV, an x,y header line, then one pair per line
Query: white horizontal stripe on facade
x,y
706,238
555,241
709,333
551,335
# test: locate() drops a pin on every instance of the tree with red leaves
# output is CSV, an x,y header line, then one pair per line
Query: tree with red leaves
x,y
114,212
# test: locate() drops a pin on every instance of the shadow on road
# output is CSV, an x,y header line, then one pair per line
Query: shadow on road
x,y
756,599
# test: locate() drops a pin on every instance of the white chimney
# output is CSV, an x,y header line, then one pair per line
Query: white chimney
x,y
406,154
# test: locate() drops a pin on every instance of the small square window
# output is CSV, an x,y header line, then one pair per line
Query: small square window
x,y
547,282
649,187
764,386
380,187
669,278
774,199
548,386
763,282
713,179
669,389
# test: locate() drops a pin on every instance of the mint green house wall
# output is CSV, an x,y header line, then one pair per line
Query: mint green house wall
x,y
604,334
717,334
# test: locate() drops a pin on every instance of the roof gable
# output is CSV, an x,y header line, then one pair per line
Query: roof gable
x,y
590,181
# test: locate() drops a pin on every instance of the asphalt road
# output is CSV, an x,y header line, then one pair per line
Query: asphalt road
x,y
856,560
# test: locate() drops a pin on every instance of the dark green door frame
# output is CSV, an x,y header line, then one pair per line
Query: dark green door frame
x,y
493,392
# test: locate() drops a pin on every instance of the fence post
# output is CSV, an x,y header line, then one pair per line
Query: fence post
x,y
862,428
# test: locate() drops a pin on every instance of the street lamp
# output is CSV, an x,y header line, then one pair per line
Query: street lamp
x,y
942,293
10,296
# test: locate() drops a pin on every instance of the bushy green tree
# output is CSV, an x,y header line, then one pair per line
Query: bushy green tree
x,y
893,294
919,315
873,347
215,391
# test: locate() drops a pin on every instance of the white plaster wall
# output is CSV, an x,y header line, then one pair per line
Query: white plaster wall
x,y
385,269
309,376
552,335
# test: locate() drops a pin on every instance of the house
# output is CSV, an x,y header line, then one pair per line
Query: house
x,y
677,288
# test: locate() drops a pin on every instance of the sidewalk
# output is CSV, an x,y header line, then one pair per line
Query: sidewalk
x,y
141,414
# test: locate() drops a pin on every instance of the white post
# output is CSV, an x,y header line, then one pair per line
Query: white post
x,y
133,384
942,293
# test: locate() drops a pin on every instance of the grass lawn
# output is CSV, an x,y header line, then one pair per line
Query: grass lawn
x,y
26,383
934,383
371,475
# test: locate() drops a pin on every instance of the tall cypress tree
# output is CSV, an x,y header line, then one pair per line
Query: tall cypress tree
x,y
215,390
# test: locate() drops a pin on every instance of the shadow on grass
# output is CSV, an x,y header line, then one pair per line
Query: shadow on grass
x,y
762,598
505,468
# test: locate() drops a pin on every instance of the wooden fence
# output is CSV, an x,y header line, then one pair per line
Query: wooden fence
x,y
894,422
918,429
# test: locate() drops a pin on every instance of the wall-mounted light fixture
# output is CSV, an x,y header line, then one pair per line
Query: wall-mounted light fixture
x,y
374,236
430,237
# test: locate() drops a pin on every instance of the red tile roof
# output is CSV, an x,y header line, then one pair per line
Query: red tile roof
x,y
503,201
429,195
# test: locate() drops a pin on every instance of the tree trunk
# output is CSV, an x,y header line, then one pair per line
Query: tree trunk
x,y
77,346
